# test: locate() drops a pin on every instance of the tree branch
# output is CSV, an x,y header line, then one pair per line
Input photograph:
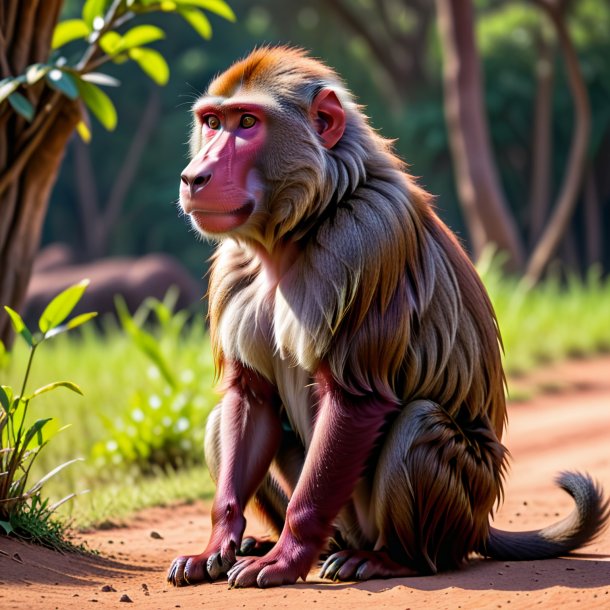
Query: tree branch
x,y
540,186
592,219
485,209
377,47
21,41
10,18
39,128
570,187
5,69
46,20
87,195
128,169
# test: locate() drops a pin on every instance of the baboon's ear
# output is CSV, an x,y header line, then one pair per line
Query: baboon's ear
x,y
328,117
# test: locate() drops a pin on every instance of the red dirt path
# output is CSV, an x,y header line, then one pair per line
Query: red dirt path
x,y
566,428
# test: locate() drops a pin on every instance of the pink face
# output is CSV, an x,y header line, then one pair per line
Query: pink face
x,y
220,187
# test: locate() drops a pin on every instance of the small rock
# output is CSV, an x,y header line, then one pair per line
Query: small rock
x,y
126,598
156,535
108,589
17,557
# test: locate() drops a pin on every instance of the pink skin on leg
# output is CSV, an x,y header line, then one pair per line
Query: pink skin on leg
x,y
344,435
250,435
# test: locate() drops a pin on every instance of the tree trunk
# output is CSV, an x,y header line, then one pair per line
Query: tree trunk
x,y
593,220
98,221
542,138
486,212
30,154
571,185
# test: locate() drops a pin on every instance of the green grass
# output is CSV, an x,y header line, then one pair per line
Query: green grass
x,y
552,322
109,503
111,370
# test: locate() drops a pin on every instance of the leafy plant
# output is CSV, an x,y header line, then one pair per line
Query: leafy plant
x,y
22,509
157,430
79,80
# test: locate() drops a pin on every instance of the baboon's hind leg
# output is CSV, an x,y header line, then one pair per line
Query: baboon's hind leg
x,y
435,484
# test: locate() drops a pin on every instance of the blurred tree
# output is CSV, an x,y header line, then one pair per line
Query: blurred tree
x,y
43,98
481,195
533,124
575,167
30,150
508,41
395,32
485,209
98,218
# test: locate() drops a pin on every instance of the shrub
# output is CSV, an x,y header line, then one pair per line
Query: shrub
x,y
23,511
162,426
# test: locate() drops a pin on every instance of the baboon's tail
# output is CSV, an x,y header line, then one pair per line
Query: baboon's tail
x,y
580,527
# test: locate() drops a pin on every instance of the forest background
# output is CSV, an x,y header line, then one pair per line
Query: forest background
x,y
115,195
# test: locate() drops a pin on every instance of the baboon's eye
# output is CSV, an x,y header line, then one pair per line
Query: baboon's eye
x,y
247,121
212,121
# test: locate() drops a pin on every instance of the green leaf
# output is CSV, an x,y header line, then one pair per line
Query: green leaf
x,y
110,43
19,325
6,397
145,341
121,58
73,323
98,78
61,306
81,319
213,6
199,22
99,103
63,82
7,86
35,430
84,132
7,527
69,30
36,488
91,10
35,72
65,499
56,384
22,106
153,63
141,35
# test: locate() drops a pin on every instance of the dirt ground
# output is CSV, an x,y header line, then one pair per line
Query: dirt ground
x,y
568,426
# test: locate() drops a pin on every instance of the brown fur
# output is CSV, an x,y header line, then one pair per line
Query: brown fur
x,y
384,275
345,288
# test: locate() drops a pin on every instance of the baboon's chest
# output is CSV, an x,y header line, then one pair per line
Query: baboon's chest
x,y
252,331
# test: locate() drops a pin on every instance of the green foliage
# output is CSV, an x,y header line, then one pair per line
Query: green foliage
x,y
99,103
555,320
21,105
97,28
158,429
36,522
22,510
